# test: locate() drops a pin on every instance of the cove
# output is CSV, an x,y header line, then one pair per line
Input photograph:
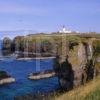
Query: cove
x,y
20,71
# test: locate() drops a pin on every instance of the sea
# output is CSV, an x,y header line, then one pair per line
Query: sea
x,y
20,69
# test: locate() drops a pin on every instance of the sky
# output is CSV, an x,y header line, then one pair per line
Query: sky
x,y
50,15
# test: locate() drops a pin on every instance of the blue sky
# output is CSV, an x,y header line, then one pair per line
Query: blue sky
x,y
50,15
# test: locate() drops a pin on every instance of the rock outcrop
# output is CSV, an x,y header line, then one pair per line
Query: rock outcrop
x,y
76,69
6,46
41,75
5,78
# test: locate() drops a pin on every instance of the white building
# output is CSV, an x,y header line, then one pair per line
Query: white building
x,y
64,30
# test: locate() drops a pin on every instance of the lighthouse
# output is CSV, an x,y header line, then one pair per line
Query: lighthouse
x,y
64,30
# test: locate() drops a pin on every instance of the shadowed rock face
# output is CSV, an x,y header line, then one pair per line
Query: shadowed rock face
x,y
6,46
65,73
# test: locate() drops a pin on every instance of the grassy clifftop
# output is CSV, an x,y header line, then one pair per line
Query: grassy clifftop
x,y
90,91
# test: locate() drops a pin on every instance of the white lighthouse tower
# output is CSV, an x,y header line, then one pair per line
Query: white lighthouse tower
x,y
64,30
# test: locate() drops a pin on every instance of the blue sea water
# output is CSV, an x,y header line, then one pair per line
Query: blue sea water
x,y
20,70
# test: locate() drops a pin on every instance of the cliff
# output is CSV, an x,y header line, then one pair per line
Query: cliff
x,y
76,55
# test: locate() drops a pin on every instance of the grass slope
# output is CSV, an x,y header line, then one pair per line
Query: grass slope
x,y
90,91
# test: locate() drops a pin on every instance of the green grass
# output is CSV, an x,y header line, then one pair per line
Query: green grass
x,y
94,95
89,91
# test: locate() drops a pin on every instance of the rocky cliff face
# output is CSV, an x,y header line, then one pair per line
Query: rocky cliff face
x,y
76,68
7,46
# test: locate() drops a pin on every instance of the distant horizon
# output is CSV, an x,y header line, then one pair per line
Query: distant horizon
x,y
13,34
36,31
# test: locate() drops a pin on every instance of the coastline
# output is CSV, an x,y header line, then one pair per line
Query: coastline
x,y
36,58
